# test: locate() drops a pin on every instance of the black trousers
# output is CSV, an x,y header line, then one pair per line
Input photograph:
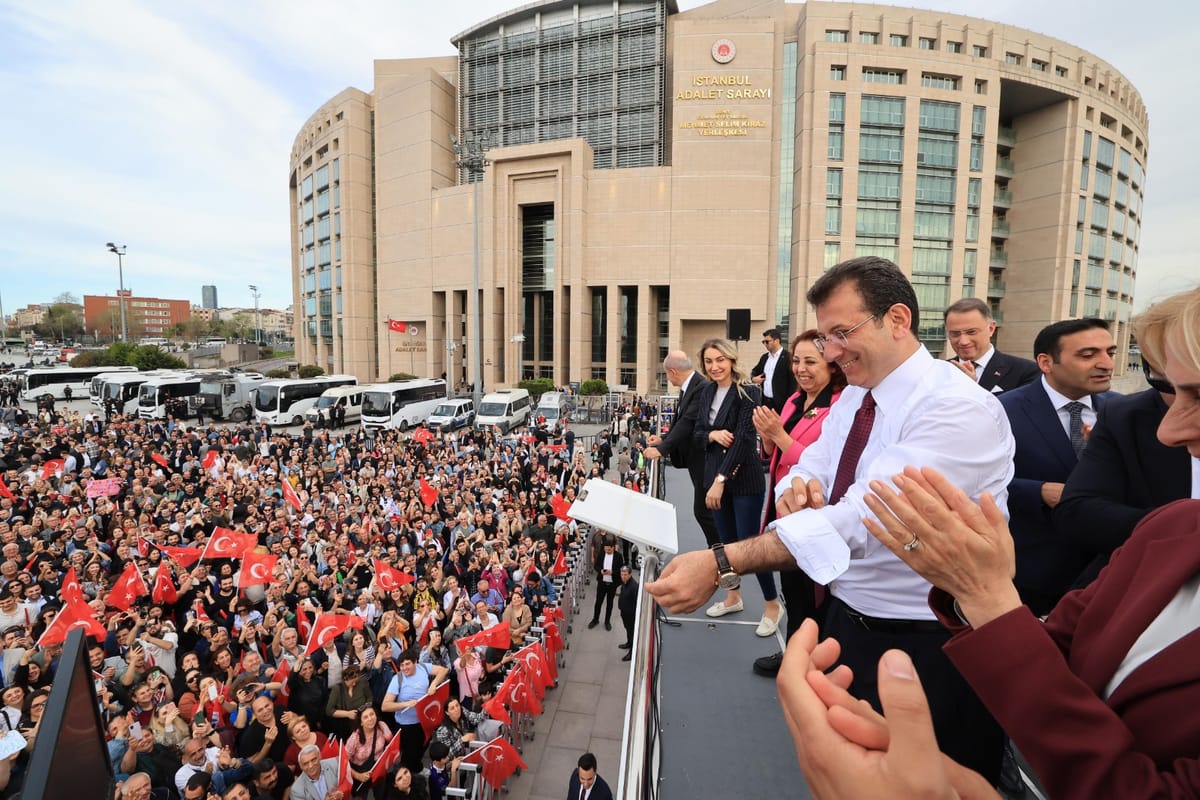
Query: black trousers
x,y
800,598
604,591
965,730
412,746
704,517
627,619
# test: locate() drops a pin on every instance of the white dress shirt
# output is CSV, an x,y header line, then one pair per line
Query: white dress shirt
x,y
925,416
1060,401
769,372
982,362
1195,478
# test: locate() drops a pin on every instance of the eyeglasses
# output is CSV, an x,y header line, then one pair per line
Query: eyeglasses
x,y
1157,382
841,338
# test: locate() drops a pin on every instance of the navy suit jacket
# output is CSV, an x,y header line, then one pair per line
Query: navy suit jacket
x,y
677,444
600,790
1005,373
740,463
1124,473
1046,564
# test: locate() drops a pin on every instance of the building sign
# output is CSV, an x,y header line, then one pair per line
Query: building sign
x,y
723,87
723,123
723,51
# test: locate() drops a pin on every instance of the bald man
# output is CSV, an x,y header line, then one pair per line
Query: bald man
x,y
677,444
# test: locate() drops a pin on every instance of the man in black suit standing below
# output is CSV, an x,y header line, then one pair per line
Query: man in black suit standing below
x,y
1051,419
773,372
585,783
608,565
970,327
677,443
627,597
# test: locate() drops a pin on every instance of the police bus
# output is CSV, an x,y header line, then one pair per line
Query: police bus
x,y
284,401
401,405
165,394
54,381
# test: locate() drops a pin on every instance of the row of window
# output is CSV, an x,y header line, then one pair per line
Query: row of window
x,y
950,46
898,77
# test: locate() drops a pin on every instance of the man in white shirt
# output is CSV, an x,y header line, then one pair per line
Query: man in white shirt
x,y
903,407
970,327
773,372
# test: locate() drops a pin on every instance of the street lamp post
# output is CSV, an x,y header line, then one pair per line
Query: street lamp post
x,y
451,346
471,156
257,319
120,251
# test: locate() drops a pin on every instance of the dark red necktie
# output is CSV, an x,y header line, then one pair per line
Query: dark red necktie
x,y
856,442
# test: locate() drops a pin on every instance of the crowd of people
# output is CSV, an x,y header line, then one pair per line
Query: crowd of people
x,y
201,668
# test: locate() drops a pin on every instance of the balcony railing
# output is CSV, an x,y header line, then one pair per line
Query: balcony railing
x,y
1005,166
1002,198
995,289
1000,229
1006,136
998,258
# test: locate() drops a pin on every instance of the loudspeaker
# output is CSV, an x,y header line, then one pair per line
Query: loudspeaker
x,y
737,324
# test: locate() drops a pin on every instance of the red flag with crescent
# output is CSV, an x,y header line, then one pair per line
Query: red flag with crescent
x,y
282,672
303,623
431,708
164,590
554,642
498,636
73,615
345,779
52,467
209,459
201,611
387,759
70,592
522,695
422,436
289,494
228,544
5,491
129,587
327,627
497,760
257,568
388,577
533,658
429,495
560,563
183,556
330,748
143,546
397,326
561,507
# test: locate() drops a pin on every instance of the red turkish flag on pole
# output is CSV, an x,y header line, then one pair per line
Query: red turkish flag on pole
x,y
522,696
228,544
387,759
129,587
328,627
554,642
183,556
303,623
5,491
143,546
560,563
497,760
396,326
432,708
160,459
560,507
201,612
498,636
289,494
388,577
282,672
70,592
164,590
257,568
209,459
495,709
429,495
422,436
345,779
330,748
535,661
51,468
72,615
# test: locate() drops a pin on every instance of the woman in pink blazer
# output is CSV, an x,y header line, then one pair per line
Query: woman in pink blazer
x,y
784,437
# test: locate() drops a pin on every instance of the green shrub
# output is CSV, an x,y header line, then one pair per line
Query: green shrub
x,y
593,387
122,354
277,373
400,376
537,387
310,371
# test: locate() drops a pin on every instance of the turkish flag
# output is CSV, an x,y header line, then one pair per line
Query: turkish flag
x,y
534,659
560,563
388,577
327,627
289,494
330,748
523,697
387,759
345,779
560,507
129,587
209,459
495,709
183,556
5,491
143,546
498,636
257,568
554,642
431,708
228,544
201,613
422,436
281,677
160,459
51,468
557,448
164,588
303,623
70,592
396,325
429,495
72,615
497,760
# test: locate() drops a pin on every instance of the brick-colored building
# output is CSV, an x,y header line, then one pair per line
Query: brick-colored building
x,y
145,316
650,169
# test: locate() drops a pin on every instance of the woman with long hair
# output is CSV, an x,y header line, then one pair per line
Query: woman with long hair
x,y
457,728
784,437
368,741
733,475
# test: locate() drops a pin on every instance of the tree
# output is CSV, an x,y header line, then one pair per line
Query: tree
x,y
277,373
60,321
537,387
66,299
593,387
400,376
310,371
121,354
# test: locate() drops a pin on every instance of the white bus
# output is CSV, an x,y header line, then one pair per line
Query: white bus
x,y
122,388
54,380
284,401
401,405
157,392
96,387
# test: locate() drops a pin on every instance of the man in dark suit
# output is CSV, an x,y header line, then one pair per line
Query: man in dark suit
x,y
585,784
773,372
1050,421
970,327
627,598
608,563
1123,474
677,443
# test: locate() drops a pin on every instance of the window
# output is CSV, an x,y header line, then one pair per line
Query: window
x,y
925,43
980,87
979,51
1105,152
879,182
867,37
833,183
833,216
1039,65
954,47
837,72
1099,215
833,253
898,40
939,116
938,150
837,108
886,146
836,144
1060,72
877,219
882,110
837,36
877,75
1013,58
931,80
978,120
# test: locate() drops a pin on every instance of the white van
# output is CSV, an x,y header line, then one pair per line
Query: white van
x,y
348,397
452,414
505,409
551,412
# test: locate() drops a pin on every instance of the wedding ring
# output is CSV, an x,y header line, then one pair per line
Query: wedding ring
x,y
913,545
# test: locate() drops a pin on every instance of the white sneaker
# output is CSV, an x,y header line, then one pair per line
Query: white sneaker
x,y
766,627
719,609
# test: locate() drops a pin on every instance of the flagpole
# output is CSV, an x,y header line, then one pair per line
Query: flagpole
x,y
389,347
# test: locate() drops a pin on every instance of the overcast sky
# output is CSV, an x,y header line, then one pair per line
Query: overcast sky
x,y
167,127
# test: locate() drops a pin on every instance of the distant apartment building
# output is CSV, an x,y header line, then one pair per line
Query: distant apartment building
x,y
145,316
208,295
29,316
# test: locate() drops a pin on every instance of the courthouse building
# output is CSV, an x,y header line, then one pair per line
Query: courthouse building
x,y
649,170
